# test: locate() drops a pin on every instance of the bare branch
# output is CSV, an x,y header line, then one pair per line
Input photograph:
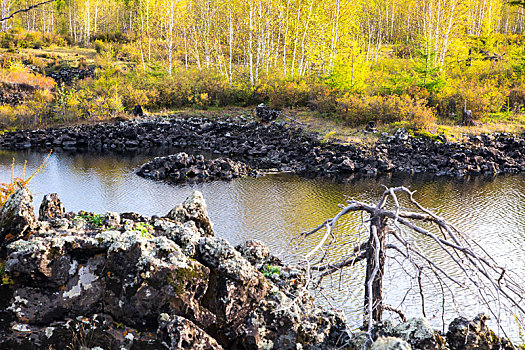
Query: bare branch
x,y
27,9
499,289
397,311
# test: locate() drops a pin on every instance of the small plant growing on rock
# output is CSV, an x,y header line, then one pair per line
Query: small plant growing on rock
x,y
269,270
3,277
144,229
94,220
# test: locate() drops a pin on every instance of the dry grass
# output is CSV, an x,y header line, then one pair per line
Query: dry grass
x,y
71,55
17,182
338,130
18,74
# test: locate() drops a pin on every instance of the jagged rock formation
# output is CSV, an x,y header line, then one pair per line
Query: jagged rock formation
x,y
17,217
474,334
182,167
127,281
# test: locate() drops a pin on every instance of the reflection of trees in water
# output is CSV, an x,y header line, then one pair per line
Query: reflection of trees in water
x,y
280,207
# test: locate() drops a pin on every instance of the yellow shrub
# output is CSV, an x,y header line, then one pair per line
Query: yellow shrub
x,y
482,97
17,73
357,110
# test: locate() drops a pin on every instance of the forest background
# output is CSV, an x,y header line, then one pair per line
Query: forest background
x,y
412,63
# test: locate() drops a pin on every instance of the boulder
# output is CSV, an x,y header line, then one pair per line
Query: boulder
x,y
138,111
474,334
419,334
193,209
235,286
51,208
390,343
184,334
17,217
255,252
151,276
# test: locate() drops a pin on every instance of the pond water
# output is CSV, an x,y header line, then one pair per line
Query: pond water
x,y
277,208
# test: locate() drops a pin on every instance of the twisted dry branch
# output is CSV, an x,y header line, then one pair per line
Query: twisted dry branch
x,y
27,9
391,222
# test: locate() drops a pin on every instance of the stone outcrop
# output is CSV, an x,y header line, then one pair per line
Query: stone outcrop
x,y
17,217
278,146
182,167
51,208
125,281
419,334
193,209
474,334
390,343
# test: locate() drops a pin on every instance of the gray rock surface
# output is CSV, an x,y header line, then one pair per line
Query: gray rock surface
x,y
130,282
419,333
474,334
390,343
193,209
51,208
17,217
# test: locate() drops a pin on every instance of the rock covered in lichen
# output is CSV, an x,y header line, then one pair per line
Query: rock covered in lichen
x,y
193,209
415,331
17,217
419,333
474,334
236,287
255,252
125,281
51,208
390,343
184,334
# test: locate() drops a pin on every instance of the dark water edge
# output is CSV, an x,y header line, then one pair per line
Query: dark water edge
x,y
277,208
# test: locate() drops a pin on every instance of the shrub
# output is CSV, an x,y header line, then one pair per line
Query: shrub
x,y
357,110
323,99
17,182
483,97
516,99
17,73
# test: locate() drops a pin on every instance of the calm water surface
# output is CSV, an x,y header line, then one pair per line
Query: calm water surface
x,y
276,209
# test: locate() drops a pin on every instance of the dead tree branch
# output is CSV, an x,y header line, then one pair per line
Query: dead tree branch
x,y
27,9
468,266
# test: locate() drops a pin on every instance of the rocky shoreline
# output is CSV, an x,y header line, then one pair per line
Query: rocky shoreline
x,y
278,146
126,281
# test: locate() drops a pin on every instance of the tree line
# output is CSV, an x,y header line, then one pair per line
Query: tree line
x,y
293,37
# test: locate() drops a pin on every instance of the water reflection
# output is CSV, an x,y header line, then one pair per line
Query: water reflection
x,y
275,209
